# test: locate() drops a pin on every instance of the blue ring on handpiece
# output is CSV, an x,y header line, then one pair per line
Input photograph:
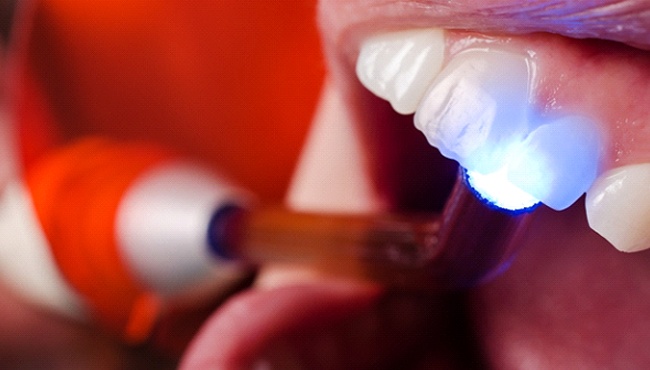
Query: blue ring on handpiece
x,y
220,230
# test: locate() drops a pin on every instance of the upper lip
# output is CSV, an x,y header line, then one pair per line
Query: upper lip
x,y
626,21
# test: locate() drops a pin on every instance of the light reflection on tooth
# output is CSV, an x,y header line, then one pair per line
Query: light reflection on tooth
x,y
477,111
557,162
399,66
618,207
555,165
477,107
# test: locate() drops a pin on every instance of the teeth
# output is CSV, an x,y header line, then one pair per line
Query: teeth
x,y
618,207
399,66
557,162
477,111
476,108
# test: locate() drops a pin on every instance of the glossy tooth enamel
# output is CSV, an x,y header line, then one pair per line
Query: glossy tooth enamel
x,y
618,207
478,112
476,108
557,162
399,66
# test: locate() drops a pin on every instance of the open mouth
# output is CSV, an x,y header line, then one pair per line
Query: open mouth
x,y
569,300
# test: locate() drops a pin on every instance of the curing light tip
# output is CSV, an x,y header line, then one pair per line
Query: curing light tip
x,y
498,191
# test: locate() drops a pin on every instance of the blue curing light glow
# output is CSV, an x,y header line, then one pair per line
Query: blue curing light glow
x,y
555,164
498,191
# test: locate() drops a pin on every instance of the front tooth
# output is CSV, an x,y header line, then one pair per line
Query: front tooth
x,y
618,207
399,66
476,108
557,162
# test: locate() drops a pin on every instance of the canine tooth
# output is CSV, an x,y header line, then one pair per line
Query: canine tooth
x,y
399,66
477,107
557,162
618,207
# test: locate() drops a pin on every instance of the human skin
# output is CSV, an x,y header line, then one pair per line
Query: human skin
x,y
569,300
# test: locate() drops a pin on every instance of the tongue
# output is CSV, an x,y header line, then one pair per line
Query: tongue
x,y
243,330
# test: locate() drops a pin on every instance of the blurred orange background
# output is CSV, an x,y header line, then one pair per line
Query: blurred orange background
x,y
232,83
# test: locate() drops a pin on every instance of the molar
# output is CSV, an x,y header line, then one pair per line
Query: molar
x,y
618,207
399,66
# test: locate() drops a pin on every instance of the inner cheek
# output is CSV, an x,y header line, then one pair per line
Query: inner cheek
x,y
568,301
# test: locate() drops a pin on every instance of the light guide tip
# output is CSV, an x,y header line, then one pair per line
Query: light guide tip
x,y
497,191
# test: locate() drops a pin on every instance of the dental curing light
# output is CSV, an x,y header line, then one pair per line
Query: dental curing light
x,y
496,190
119,232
